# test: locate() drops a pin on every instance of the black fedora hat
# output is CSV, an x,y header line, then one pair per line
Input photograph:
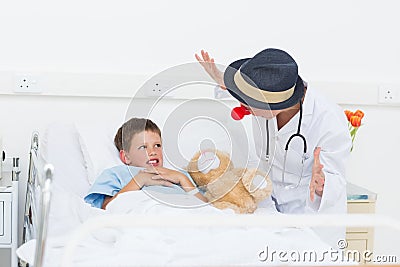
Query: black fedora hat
x,y
269,80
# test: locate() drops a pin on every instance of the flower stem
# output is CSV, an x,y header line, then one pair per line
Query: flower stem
x,y
353,132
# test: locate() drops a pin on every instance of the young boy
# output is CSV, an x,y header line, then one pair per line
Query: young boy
x,y
140,146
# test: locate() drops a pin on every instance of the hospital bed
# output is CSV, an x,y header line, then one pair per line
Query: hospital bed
x,y
60,229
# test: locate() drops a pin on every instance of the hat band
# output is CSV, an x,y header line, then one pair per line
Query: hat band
x,y
260,94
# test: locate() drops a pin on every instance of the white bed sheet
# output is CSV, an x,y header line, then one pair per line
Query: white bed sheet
x,y
193,246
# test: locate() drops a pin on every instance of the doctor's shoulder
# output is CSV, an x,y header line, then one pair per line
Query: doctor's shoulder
x,y
326,106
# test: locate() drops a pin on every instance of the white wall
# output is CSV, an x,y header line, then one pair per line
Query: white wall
x,y
100,47
344,40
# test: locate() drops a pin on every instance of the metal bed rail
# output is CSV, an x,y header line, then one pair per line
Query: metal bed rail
x,y
37,201
203,221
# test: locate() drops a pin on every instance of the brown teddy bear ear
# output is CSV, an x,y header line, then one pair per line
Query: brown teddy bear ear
x,y
193,165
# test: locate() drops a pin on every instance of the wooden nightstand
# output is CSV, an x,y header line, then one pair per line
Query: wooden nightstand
x,y
360,200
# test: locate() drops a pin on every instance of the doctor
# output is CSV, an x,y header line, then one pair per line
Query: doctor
x,y
291,119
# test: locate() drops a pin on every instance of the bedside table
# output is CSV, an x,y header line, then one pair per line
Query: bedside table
x,y
9,220
360,200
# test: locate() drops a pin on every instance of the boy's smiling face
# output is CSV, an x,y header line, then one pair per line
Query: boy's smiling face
x,y
145,150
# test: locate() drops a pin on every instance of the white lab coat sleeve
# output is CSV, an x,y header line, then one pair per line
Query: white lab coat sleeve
x,y
335,151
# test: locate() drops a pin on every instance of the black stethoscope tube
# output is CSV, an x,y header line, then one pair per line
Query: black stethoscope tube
x,y
297,134
291,137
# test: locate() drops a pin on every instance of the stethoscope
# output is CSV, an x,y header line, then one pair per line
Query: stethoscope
x,y
239,112
297,134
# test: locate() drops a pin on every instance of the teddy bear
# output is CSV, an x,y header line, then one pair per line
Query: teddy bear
x,y
225,186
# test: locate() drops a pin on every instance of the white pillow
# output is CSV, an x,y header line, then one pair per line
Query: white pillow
x,y
67,212
61,146
98,147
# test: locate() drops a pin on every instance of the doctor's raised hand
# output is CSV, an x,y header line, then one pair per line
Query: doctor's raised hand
x,y
209,66
318,178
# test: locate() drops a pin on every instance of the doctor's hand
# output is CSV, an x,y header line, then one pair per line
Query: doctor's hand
x,y
318,177
209,66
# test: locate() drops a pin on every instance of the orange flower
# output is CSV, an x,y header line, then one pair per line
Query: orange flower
x,y
348,114
359,113
354,122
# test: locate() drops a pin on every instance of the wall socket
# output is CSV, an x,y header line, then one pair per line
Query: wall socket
x,y
26,83
158,88
388,95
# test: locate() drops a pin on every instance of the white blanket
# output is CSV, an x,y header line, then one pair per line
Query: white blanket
x,y
178,246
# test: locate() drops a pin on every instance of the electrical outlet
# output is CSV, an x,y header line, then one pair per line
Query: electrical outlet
x,y
158,89
26,83
388,95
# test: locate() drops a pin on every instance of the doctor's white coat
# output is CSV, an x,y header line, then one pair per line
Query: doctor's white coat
x,y
324,125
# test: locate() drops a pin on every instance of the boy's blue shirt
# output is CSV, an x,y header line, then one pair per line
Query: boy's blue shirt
x,y
112,180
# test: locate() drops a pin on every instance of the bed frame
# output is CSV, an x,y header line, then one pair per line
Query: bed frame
x,y
37,206
37,201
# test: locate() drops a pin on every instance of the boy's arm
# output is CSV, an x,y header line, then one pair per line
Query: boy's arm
x,y
107,184
188,186
176,177
136,183
131,186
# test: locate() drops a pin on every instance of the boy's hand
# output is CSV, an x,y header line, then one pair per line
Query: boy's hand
x,y
175,177
172,176
144,178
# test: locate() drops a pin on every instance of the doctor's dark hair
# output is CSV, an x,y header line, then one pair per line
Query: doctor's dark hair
x,y
133,126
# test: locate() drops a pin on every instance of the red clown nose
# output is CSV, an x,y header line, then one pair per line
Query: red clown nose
x,y
239,112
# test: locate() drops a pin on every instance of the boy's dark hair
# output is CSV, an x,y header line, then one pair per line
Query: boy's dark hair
x,y
134,126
